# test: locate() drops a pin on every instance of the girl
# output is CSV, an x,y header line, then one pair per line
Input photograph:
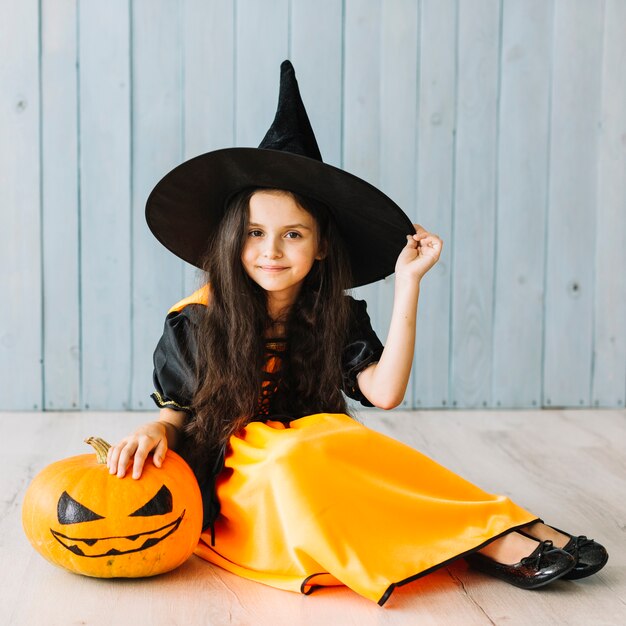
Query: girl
x,y
250,371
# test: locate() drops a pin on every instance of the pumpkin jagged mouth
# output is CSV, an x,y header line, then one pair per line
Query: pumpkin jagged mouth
x,y
118,545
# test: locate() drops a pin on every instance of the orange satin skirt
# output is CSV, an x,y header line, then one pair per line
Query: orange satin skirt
x,y
327,501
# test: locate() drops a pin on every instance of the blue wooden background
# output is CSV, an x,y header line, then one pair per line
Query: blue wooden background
x,y
499,125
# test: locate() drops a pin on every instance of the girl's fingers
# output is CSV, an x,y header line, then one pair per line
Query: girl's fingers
x,y
420,232
159,452
113,456
125,456
427,240
143,449
138,461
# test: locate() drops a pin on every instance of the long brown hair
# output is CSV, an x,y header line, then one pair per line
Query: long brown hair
x,y
231,334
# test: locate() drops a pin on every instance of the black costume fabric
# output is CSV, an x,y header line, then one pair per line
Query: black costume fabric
x,y
174,356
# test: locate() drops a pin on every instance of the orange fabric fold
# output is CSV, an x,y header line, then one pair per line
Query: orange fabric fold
x,y
325,500
200,296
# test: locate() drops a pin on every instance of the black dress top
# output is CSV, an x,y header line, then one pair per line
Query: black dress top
x,y
174,371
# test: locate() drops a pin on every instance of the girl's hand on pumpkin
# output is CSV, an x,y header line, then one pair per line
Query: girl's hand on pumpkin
x,y
149,437
421,252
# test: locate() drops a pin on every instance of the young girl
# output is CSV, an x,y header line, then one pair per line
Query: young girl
x,y
250,370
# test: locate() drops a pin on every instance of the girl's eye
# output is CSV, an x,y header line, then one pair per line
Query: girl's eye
x,y
292,234
255,233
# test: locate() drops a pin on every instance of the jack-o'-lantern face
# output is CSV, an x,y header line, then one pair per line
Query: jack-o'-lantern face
x,y
80,517
70,511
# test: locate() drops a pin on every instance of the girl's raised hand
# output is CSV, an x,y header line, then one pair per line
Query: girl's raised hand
x,y
421,252
149,437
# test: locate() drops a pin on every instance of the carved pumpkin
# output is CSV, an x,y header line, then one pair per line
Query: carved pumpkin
x,y
82,518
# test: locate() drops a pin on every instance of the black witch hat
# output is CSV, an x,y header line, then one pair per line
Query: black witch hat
x,y
187,203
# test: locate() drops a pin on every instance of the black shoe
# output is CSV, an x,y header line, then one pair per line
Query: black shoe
x,y
545,564
590,556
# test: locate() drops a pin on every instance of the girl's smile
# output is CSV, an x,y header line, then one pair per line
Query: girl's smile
x,y
272,268
281,245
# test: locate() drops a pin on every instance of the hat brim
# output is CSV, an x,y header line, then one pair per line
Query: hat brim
x,y
186,205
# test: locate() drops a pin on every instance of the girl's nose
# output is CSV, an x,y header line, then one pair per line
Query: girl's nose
x,y
272,249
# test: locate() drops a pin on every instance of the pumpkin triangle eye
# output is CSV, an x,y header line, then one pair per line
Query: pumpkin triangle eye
x,y
70,511
160,504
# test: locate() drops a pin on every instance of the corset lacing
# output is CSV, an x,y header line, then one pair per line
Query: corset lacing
x,y
271,376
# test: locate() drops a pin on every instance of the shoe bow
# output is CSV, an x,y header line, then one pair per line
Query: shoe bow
x,y
534,559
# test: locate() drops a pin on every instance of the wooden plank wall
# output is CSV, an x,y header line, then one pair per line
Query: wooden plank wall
x,y
499,125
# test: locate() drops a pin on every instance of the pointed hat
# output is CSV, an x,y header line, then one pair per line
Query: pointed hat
x,y
186,205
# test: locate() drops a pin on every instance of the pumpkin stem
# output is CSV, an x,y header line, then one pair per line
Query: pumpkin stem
x,y
101,447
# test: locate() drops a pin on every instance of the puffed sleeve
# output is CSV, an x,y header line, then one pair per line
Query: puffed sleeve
x,y
362,349
174,365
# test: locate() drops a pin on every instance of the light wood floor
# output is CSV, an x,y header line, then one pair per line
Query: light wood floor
x,y
569,467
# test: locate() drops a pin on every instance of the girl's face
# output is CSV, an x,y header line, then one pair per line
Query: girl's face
x,y
281,245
